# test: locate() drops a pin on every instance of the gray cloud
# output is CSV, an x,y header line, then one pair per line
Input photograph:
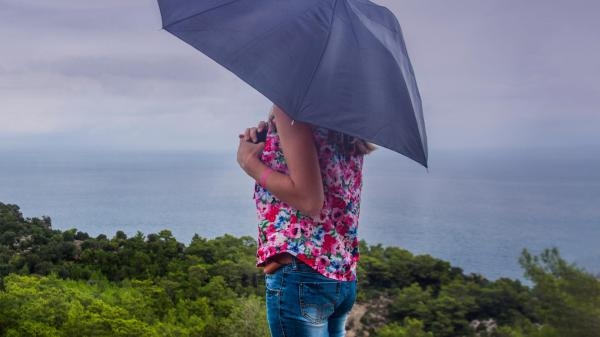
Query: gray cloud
x,y
103,74
506,73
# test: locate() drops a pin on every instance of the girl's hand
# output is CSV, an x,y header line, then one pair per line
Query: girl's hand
x,y
248,150
302,188
251,134
248,153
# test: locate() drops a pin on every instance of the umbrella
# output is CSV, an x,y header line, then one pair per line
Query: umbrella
x,y
339,64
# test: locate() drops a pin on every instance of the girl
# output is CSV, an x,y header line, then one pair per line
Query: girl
x,y
307,198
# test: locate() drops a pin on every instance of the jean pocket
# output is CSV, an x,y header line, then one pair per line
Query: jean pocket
x,y
317,300
273,283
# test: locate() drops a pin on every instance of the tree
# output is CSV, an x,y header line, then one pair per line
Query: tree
x,y
569,296
248,319
410,328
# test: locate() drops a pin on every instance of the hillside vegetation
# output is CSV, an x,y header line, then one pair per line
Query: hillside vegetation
x,y
66,283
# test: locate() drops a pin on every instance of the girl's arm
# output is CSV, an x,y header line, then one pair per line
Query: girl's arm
x,y
303,187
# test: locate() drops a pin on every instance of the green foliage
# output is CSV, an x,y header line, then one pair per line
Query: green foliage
x,y
248,319
568,296
525,331
124,286
396,268
507,301
66,283
444,314
48,306
410,328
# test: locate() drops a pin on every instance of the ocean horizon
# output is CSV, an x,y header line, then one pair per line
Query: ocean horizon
x,y
476,209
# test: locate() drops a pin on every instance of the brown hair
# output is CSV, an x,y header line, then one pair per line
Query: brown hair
x,y
350,145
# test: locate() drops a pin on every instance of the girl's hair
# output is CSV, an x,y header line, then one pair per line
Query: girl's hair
x,y
349,145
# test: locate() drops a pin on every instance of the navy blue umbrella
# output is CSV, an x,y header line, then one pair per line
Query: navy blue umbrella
x,y
339,64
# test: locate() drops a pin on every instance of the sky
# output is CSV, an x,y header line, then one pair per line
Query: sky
x,y
104,75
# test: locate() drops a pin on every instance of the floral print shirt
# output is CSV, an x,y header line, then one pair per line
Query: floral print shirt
x,y
328,243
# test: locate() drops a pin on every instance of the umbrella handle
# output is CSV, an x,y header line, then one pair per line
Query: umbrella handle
x,y
261,137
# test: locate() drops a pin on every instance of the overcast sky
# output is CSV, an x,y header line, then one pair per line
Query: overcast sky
x,y
103,75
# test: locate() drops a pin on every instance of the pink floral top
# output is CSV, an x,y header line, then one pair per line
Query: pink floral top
x,y
327,243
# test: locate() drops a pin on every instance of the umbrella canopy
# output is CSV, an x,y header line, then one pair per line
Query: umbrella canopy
x,y
339,64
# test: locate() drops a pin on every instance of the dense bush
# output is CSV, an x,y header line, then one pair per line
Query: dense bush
x,y
66,283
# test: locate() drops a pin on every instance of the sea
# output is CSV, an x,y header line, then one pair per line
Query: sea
x,y
477,209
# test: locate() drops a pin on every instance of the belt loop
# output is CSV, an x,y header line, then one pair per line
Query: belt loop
x,y
294,263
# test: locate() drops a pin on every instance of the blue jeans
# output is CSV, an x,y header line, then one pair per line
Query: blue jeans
x,y
303,303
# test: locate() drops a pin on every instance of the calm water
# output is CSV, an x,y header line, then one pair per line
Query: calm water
x,y
476,210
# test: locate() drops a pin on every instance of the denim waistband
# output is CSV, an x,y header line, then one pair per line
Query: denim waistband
x,y
298,265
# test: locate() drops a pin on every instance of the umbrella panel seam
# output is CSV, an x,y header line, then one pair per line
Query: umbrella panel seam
x,y
246,46
196,14
312,77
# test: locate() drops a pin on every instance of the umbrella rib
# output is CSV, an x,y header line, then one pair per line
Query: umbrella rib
x,y
249,43
199,13
352,28
418,115
312,77
393,30
271,30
